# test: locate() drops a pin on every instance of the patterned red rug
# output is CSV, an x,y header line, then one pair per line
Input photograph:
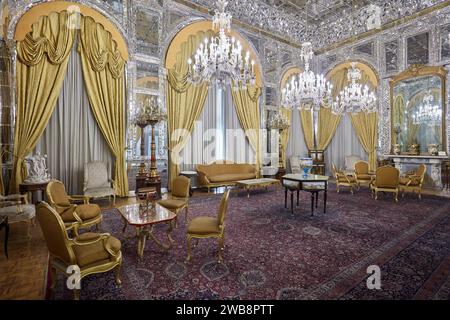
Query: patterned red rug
x,y
272,255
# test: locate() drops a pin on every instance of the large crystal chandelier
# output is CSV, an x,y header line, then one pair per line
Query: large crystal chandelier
x,y
307,90
219,59
355,97
428,113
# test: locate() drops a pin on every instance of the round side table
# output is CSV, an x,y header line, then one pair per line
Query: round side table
x,y
191,175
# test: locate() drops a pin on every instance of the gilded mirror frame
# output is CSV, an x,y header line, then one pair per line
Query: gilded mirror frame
x,y
415,71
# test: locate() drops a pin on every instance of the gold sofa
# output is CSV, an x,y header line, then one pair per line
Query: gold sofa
x,y
224,173
413,181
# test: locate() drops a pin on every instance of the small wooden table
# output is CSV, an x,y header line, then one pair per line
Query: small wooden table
x,y
144,181
144,220
30,188
255,183
310,178
4,224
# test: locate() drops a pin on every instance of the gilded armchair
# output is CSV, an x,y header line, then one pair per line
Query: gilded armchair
x,y
362,174
386,180
91,252
344,180
74,215
97,182
413,181
209,227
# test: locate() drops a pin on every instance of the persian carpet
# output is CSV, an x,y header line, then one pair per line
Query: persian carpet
x,y
271,254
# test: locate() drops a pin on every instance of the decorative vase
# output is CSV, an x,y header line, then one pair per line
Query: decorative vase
x,y
396,149
433,149
414,149
306,165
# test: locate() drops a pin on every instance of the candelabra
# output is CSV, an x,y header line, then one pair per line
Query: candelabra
x,y
150,113
280,123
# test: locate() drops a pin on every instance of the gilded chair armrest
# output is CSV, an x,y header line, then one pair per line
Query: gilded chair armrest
x,y
79,198
15,198
89,238
202,178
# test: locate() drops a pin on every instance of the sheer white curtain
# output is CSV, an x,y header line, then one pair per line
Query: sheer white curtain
x,y
203,137
237,146
296,144
344,143
72,137
217,134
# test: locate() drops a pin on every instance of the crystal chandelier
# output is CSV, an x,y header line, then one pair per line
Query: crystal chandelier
x,y
355,97
307,90
219,59
278,121
428,113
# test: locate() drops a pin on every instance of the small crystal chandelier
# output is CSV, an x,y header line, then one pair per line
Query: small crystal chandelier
x,y
307,90
355,97
428,113
278,121
219,59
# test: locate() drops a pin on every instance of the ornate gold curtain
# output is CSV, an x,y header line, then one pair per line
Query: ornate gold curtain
x,y
103,70
328,122
285,134
366,127
185,102
246,102
306,118
42,59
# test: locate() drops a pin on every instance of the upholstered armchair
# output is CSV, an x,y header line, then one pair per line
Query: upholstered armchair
x,y
386,180
97,182
343,180
362,173
91,252
74,215
180,196
209,227
413,182
17,209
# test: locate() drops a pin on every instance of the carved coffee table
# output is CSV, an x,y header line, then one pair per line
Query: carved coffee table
x,y
144,220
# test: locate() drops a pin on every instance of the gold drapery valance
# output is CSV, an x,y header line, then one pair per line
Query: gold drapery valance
x,y
100,49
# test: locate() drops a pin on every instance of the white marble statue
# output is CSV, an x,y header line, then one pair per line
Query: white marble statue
x,y
37,168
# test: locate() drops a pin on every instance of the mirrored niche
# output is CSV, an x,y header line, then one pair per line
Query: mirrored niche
x,y
418,111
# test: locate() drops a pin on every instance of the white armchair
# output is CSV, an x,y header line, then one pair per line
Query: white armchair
x,y
350,163
97,182
295,164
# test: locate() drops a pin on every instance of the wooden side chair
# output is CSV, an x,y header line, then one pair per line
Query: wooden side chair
x,y
91,252
209,227
179,199
362,173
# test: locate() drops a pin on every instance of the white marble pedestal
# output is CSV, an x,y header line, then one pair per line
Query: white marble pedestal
x,y
433,175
